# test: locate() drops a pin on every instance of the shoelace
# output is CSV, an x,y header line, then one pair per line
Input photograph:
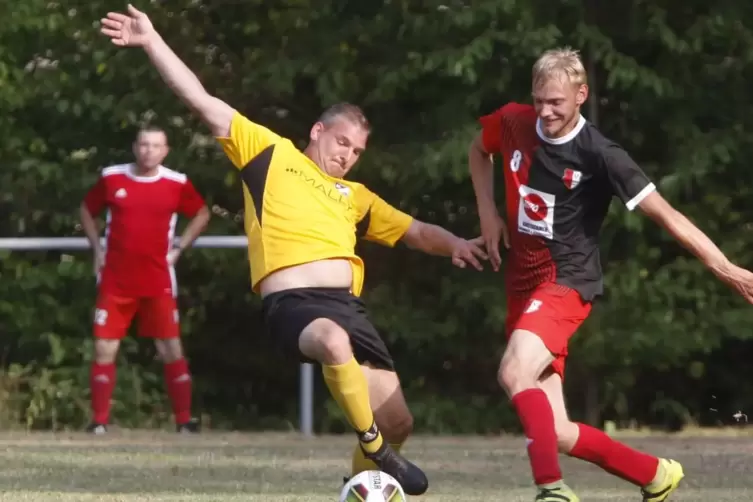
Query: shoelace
x,y
549,494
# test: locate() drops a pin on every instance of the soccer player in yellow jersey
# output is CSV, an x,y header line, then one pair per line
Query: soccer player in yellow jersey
x,y
302,221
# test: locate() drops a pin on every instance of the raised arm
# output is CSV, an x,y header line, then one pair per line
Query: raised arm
x,y
635,189
698,243
135,29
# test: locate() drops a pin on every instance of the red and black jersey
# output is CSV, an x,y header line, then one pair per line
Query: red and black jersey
x,y
558,193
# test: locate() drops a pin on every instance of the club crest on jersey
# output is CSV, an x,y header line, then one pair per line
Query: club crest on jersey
x,y
571,178
342,189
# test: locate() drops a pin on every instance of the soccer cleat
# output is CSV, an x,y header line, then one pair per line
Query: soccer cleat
x,y
411,478
97,429
190,427
673,474
556,494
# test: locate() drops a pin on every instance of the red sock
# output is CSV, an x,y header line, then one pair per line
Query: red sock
x,y
614,457
102,383
178,381
536,415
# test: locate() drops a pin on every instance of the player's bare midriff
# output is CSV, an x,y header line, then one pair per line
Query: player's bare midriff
x,y
334,273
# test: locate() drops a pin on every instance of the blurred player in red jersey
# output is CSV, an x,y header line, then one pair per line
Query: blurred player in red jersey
x,y
135,273
560,175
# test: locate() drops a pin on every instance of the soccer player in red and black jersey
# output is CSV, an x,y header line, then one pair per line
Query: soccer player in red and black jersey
x,y
560,175
135,268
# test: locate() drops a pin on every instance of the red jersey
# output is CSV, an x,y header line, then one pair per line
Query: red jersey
x,y
141,216
510,131
558,193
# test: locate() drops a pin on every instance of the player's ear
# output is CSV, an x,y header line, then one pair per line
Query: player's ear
x,y
316,131
582,94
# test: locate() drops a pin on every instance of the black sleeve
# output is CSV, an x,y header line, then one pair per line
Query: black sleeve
x,y
626,178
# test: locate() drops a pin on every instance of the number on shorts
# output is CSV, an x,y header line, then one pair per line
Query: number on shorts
x,y
517,158
100,317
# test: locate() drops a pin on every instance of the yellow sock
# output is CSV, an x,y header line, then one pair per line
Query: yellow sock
x,y
349,388
361,463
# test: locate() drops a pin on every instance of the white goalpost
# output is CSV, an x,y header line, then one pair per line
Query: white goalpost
x,y
306,390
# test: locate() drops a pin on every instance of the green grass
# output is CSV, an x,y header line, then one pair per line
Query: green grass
x,y
130,466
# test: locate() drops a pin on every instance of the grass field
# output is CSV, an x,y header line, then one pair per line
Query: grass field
x,y
159,466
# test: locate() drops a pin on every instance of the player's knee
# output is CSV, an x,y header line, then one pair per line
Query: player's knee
x,y
567,435
169,350
513,375
325,341
105,351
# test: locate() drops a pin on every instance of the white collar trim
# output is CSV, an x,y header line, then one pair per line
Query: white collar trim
x,y
564,139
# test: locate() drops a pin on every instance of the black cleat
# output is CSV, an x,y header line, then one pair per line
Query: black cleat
x,y
411,478
190,427
97,429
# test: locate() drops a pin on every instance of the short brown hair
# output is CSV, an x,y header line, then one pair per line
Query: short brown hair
x,y
151,128
347,111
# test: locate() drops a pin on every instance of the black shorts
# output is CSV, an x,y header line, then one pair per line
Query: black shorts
x,y
287,313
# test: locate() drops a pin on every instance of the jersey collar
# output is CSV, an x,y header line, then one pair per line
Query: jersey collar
x,y
564,139
131,173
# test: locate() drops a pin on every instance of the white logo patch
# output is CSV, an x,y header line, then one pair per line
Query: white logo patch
x,y
121,193
342,189
533,306
536,213
515,160
100,317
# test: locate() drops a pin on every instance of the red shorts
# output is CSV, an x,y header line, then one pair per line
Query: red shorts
x,y
552,311
158,316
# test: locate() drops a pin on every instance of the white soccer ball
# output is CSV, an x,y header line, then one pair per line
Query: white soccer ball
x,y
372,486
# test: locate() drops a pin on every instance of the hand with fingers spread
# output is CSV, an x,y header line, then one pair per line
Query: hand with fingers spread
x,y
133,29
493,228
469,251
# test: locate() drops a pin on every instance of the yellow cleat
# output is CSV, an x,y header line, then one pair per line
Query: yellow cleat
x,y
561,493
660,491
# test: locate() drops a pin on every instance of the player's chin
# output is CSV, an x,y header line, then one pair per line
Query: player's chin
x,y
553,128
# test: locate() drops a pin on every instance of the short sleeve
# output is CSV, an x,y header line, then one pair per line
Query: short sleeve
x,y
95,199
380,222
190,200
491,131
627,179
247,140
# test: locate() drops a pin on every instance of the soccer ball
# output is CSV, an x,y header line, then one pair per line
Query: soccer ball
x,y
372,486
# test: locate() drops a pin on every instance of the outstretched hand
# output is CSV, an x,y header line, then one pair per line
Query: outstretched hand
x,y
469,251
741,280
494,229
133,29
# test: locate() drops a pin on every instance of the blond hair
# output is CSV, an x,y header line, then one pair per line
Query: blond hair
x,y
558,63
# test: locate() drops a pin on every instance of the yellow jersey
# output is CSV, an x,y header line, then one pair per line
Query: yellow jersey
x,y
296,213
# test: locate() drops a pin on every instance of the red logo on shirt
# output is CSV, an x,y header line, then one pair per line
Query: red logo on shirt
x,y
535,207
571,178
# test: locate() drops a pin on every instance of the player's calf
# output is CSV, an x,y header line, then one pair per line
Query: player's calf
x,y
102,383
178,382
525,359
